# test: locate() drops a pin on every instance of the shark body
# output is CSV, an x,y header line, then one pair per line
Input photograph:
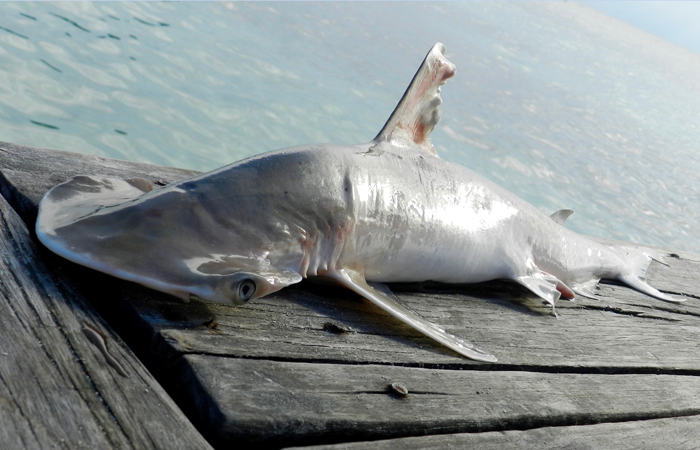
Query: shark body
x,y
386,211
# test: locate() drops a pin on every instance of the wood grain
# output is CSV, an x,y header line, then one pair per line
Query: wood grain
x,y
56,388
679,433
271,403
311,364
622,331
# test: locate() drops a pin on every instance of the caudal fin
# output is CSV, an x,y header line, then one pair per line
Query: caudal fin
x,y
638,260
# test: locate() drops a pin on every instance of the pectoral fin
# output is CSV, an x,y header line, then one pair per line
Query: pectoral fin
x,y
357,283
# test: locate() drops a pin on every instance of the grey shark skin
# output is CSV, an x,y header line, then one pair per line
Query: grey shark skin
x,y
386,211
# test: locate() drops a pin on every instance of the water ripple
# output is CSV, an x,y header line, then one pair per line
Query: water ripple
x,y
550,100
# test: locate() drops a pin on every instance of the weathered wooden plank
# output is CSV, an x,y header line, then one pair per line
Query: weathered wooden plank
x,y
273,403
624,333
57,388
294,328
639,331
677,433
623,330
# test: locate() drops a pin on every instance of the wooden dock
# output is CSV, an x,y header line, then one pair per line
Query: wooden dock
x,y
318,366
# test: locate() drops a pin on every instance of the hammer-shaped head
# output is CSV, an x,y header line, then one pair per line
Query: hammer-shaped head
x,y
164,239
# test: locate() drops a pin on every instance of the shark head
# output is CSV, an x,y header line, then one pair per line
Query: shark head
x,y
162,240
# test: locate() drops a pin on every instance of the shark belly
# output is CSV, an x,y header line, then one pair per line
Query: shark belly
x,y
417,219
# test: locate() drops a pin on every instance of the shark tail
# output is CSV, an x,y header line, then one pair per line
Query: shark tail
x,y
637,260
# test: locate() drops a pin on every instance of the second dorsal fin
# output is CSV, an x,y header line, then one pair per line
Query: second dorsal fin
x,y
417,113
561,216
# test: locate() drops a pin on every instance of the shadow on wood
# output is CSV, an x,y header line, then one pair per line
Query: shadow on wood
x,y
313,364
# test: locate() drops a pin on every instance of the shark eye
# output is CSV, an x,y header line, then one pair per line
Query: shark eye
x,y
246,289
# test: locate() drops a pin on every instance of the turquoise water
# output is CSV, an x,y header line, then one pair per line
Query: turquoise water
x,y
558,103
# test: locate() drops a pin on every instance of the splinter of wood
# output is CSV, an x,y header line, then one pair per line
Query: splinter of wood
x,y
100,342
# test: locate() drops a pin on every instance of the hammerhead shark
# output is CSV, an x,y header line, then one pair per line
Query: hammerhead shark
x,y
386,211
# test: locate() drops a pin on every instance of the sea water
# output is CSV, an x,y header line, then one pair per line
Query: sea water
x,y
556,102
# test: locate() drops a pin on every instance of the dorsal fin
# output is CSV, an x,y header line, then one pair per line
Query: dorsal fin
x,y
417,113
561,216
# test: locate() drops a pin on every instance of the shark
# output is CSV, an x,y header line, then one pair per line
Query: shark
x,y
360,216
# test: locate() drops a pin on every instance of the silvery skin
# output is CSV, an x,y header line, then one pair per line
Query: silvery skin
x,y
386,211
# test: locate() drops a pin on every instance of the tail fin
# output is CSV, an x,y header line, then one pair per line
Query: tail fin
x,y
637,260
